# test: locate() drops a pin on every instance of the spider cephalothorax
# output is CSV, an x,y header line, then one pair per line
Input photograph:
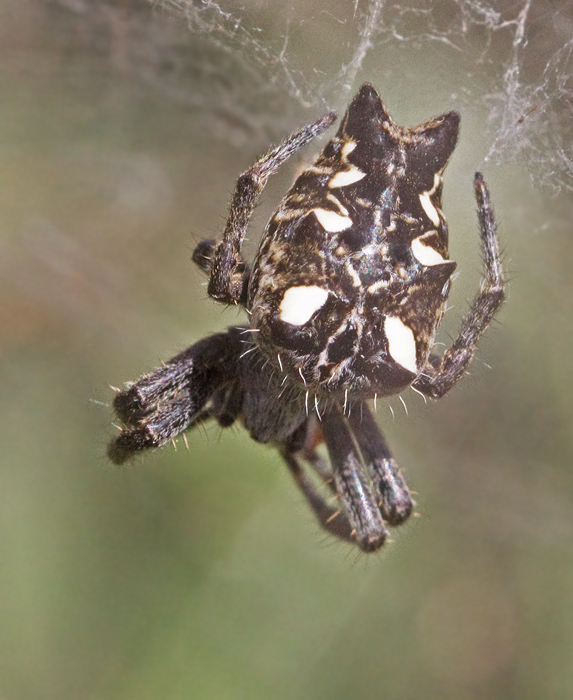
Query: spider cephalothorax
x,y
344,297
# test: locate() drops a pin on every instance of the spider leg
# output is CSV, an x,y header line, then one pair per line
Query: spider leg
x,y
165,423
352,483
395,501
172,398
438,377
332,519
229,273
227,404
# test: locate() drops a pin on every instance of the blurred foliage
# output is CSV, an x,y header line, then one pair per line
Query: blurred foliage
x,y
201,574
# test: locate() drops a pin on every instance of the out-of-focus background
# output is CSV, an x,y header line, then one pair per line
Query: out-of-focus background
x,y
201,574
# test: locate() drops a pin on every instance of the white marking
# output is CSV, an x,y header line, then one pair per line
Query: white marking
x,y
356,281
427,204
246,353
337,203
319,169
348,147
373,288
331,221
413,389
425,253
343,178
429,208
288,214
299,304
401,343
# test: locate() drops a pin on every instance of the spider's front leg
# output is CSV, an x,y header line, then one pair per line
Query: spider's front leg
x,y
440,375
229,273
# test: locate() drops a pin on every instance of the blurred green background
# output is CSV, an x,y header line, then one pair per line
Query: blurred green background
x,y
202,574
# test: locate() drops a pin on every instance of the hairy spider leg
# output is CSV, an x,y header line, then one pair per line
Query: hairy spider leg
x,y
395,501
229,272
302,444
440,375
353,483
332,519
171,399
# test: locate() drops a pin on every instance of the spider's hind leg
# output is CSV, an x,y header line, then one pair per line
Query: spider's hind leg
x,y
172,398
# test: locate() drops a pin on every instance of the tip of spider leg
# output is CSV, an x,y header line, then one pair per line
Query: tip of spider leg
x,y
374,543
117,453
327,120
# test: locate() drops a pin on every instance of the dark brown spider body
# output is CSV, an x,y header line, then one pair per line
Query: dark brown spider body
x,y
352,275
346,293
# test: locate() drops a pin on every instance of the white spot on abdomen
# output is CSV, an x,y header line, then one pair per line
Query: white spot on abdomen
x,y
331,221
426,254
300,303
343,178
429,208
348,147
401,343
426,202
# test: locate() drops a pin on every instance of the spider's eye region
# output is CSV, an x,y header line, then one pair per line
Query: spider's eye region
x,y
299,304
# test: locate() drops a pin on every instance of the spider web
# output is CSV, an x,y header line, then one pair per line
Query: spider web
x,y
235,63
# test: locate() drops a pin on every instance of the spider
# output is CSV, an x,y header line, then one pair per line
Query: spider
x,y
344,297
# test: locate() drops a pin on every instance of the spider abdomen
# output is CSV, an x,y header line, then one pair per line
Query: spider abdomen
x,y
352,274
